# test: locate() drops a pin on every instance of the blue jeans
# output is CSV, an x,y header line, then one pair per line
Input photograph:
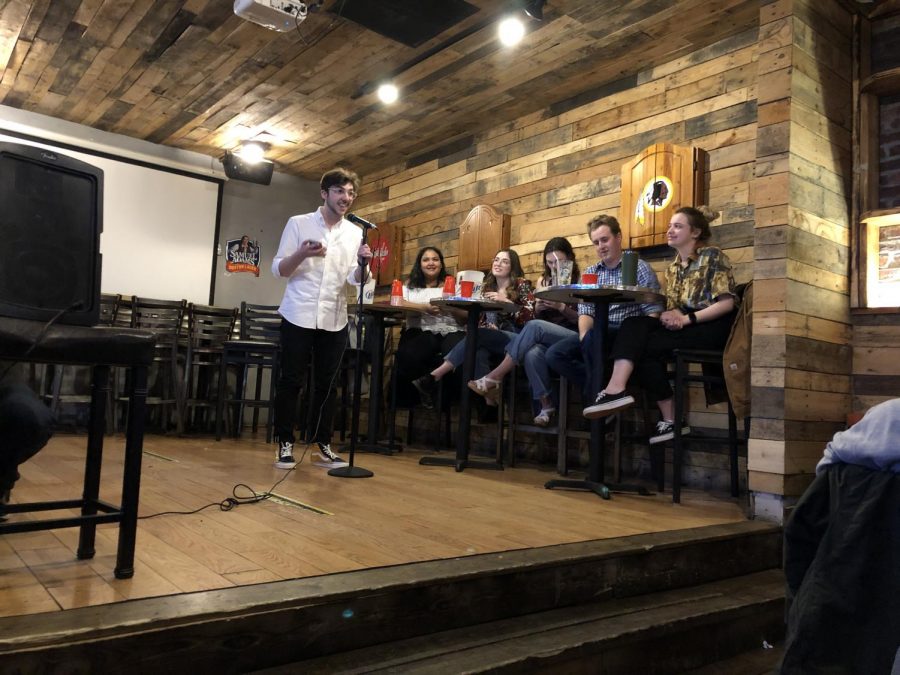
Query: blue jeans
x,y
573,358
530,349
491,342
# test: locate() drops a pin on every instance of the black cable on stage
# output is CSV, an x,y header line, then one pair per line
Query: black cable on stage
x,y
235,500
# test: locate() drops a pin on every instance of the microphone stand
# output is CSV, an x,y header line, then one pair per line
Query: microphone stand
x,y
351,471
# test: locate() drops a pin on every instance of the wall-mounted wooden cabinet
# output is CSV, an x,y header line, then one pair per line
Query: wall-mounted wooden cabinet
x,y
484,232
661,179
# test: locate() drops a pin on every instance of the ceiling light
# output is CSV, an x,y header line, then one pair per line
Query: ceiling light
x,y
535,9
252,152
388,93
511,31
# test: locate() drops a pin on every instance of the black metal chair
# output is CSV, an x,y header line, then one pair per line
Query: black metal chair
x,y
711,374
441,407
208,330
259,347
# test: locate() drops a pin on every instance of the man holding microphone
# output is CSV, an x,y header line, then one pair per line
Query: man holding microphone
x,y
319,253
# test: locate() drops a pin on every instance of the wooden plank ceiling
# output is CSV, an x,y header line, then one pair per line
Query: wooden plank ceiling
x,y
192,75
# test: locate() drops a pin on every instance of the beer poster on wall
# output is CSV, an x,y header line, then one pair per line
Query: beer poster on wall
x,y
889,254
242,255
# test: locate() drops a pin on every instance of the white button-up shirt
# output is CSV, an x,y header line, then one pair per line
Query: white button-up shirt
x,y
314,296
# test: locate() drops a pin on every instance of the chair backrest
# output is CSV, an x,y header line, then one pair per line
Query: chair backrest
x,y
109,305
123,312
165,318
209,327
260,323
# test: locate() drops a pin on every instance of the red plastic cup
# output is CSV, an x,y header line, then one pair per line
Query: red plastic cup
x,y
589,279
449,286
466,288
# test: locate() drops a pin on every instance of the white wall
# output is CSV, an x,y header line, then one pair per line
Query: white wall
x,y
260,212
159,234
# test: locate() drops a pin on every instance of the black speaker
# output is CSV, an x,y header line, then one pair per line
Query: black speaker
x,y
253,172
51,216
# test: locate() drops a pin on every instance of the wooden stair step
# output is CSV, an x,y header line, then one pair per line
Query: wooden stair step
x,y
246,628
662,632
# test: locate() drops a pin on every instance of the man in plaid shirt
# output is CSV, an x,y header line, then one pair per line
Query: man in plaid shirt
x,y
572,357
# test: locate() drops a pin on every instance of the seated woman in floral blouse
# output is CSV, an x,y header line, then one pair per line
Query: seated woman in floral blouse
x,y
553,321
506,281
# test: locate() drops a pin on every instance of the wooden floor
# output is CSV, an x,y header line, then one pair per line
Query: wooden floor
x,y
315,525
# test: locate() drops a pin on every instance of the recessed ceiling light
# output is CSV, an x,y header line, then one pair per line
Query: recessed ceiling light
x,y
388,93
252,152
511,31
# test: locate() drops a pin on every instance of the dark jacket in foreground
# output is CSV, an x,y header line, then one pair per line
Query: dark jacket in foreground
x,y
842,566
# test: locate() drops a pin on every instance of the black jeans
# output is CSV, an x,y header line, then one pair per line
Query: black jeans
x,y
298,347
418,353
644,341
25,427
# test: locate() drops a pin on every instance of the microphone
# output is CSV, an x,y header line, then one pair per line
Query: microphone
x,y
353,218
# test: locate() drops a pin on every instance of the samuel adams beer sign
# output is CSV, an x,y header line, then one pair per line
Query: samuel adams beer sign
x,y
242,255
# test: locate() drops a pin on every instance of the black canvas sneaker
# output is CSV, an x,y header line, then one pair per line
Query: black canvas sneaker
x,y
284,459
607,404
327,457
665,431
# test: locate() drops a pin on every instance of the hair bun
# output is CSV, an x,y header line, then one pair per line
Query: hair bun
x,y
708,213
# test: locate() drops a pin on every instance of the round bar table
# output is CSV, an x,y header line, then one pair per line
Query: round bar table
x,y
473,308
601,297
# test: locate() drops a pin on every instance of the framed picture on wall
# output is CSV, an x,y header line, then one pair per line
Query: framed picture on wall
x,y
882,260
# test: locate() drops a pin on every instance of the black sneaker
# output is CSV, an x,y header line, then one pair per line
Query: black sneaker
x,y
607,404
426,385
285,457
665,431
327,456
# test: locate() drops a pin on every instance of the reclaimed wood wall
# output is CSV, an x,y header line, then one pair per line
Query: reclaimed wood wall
x,y
772,106
801,332
555,169
876,359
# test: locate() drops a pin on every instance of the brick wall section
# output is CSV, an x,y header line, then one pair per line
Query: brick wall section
x,y
886,44
889,152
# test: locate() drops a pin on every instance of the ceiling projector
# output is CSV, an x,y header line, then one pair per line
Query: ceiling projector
x,y
280,15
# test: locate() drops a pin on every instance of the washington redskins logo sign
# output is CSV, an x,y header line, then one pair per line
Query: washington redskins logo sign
x,y
656,195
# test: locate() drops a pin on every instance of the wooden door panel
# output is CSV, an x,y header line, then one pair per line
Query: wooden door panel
x,y
660,180
484,231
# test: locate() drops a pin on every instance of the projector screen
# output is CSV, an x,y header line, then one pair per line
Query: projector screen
x,y
159,227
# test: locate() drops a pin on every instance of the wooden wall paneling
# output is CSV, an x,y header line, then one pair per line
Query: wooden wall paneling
x,y
551,172
801,344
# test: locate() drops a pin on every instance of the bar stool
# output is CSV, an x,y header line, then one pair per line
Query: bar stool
x,y
208,330
109,304
165,319
710,375
259,347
